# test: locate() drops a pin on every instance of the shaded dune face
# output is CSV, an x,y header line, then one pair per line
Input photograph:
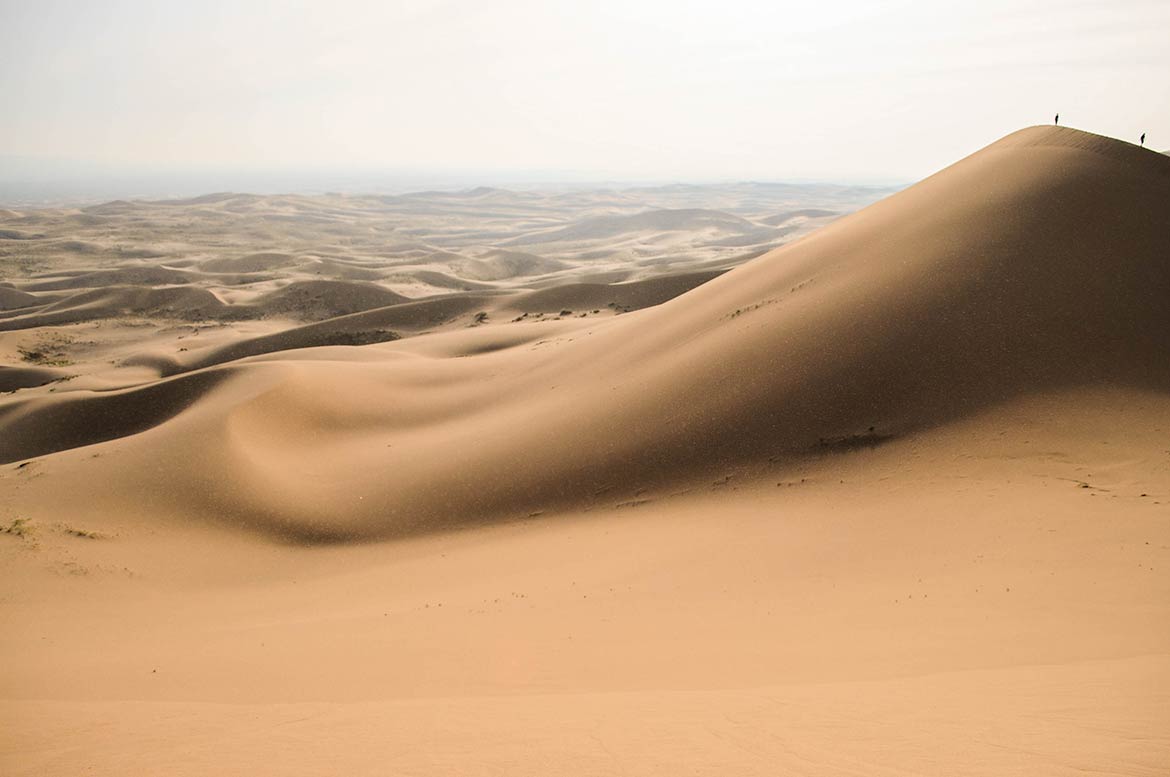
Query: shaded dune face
x,y
179,302
1036,264
12,299
38,426
633,295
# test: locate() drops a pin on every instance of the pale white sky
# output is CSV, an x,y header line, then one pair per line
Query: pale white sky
x,y
637,89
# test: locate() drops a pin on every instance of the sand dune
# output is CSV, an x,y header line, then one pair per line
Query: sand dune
x,y
103,417
623,297
890,498
991,280
441,281
786,216
653,221
149,276
957,600
116,301
501,265
326,299
261,262
13,378
12,299
15,234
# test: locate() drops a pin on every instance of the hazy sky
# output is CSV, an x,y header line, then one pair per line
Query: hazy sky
x,y
649,89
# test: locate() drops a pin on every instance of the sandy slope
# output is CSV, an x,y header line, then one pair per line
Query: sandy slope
x,y
1036,264
954,602
891,500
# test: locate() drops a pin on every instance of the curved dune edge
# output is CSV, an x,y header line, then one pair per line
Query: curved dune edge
x,y
1034,265
14,378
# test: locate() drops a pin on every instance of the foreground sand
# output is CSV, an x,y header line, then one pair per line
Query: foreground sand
x,y
955,603
892,500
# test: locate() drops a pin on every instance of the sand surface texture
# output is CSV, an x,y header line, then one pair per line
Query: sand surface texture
x,y
892,498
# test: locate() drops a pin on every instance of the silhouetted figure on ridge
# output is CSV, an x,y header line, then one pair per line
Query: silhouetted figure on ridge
x,y
1056,121
1143,140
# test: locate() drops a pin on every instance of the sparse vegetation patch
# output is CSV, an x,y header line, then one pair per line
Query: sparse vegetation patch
x,y
20,527
83,533
49,351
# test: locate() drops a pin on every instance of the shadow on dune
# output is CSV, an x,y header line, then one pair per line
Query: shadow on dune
x,y
14,378
633,295
37,427
371,326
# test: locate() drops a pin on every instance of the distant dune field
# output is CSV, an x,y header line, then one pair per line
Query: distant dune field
x,y
688,482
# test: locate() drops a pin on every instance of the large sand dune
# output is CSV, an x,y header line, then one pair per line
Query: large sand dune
x,y
994,279
892,498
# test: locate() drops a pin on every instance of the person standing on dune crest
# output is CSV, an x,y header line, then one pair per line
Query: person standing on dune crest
x,y
1056,121
1143,140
